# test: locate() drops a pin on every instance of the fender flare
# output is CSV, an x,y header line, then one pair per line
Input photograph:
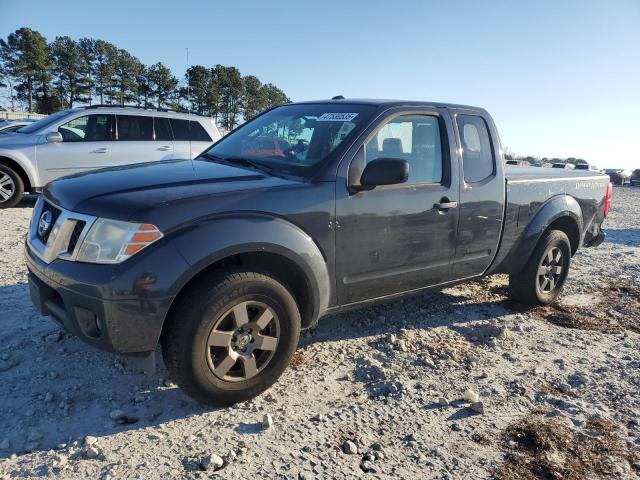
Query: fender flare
x,y
558,207
206,242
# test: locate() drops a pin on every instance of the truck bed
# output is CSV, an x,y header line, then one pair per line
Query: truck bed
x,y
515,172
529,190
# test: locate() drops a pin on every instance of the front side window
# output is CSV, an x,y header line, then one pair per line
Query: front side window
x,y
477,152
293,139
414,138
134,128
89,128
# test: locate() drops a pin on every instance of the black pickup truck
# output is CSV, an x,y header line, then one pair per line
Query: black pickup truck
x,y
306,210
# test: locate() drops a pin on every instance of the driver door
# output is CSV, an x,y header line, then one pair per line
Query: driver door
x,y
398,238
86,145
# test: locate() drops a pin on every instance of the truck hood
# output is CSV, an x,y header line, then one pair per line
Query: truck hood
x,y
125,192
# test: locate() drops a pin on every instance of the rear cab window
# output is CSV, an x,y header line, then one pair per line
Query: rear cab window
x,y
478,159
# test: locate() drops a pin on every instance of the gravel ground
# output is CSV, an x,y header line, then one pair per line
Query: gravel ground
x,y
376,392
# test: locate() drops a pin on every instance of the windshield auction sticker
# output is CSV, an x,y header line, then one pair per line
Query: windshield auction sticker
x,y
337,117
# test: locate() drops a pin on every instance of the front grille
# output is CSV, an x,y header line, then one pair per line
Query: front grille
x,y
70,228
55,213
75,235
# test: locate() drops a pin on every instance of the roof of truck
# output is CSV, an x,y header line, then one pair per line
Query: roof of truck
x,y
379,102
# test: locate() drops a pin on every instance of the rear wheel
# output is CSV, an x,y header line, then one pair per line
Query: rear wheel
x,y
11,187
542,279
230,338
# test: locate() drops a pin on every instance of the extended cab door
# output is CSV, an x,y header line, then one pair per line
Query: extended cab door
x,y
482,192
86,145
401,237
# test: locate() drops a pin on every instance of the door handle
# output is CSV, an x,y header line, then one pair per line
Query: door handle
x,y
100,150
164,148
445,205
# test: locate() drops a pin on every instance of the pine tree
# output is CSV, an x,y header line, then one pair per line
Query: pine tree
x,y
162,84
25,57
198,79
126,69
69,71
230,88
255,97
104,69
87,50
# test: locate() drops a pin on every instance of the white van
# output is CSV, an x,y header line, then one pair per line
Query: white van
x,y
93,137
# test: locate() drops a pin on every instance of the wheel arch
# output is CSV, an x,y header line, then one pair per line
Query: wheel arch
x,y
20,170
276,247
561,212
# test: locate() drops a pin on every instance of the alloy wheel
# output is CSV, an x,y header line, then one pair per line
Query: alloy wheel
x,y
550,270
243,341
7,187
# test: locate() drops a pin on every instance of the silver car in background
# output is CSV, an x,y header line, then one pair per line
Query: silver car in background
x,y
8,126
88,138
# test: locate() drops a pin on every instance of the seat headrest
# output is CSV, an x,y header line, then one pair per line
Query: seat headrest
x,y
392,145
423,135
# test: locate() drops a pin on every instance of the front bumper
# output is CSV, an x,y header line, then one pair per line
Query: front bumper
x,y
118,308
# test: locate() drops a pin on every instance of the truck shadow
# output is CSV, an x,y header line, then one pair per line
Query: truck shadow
x,y
435,309
57,390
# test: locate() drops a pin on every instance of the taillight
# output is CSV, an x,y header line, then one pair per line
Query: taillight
x,y
607,199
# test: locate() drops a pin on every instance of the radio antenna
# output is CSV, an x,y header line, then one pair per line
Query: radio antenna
x,y
189,104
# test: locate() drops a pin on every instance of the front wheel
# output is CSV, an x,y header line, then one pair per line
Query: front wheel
x,y
542,279
11,187
231,337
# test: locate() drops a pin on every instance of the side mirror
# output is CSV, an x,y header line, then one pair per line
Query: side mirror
x,y
54,137
384,171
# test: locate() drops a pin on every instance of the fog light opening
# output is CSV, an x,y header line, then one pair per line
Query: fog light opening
x,y
88,322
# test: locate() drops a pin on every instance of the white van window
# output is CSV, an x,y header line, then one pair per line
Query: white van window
x,y
89,128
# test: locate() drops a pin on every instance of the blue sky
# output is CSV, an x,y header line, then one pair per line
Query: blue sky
x,y
561,78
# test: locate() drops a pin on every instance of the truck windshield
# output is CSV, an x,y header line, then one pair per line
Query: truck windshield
x,y
292,139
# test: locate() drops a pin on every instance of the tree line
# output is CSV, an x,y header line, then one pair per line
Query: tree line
x,y
50,76
509,155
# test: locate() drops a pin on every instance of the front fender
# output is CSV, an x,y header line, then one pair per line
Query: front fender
x,y
560,206
27,165
209,241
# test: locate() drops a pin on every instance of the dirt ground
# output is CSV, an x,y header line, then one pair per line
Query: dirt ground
x,y
376,392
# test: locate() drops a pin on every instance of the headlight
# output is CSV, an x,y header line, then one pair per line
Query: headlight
x,y
113,241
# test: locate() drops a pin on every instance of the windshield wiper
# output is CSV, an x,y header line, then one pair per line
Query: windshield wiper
x,y
241,161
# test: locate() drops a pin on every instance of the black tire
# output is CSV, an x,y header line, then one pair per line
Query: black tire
x,y
13,185
199,315
538,284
